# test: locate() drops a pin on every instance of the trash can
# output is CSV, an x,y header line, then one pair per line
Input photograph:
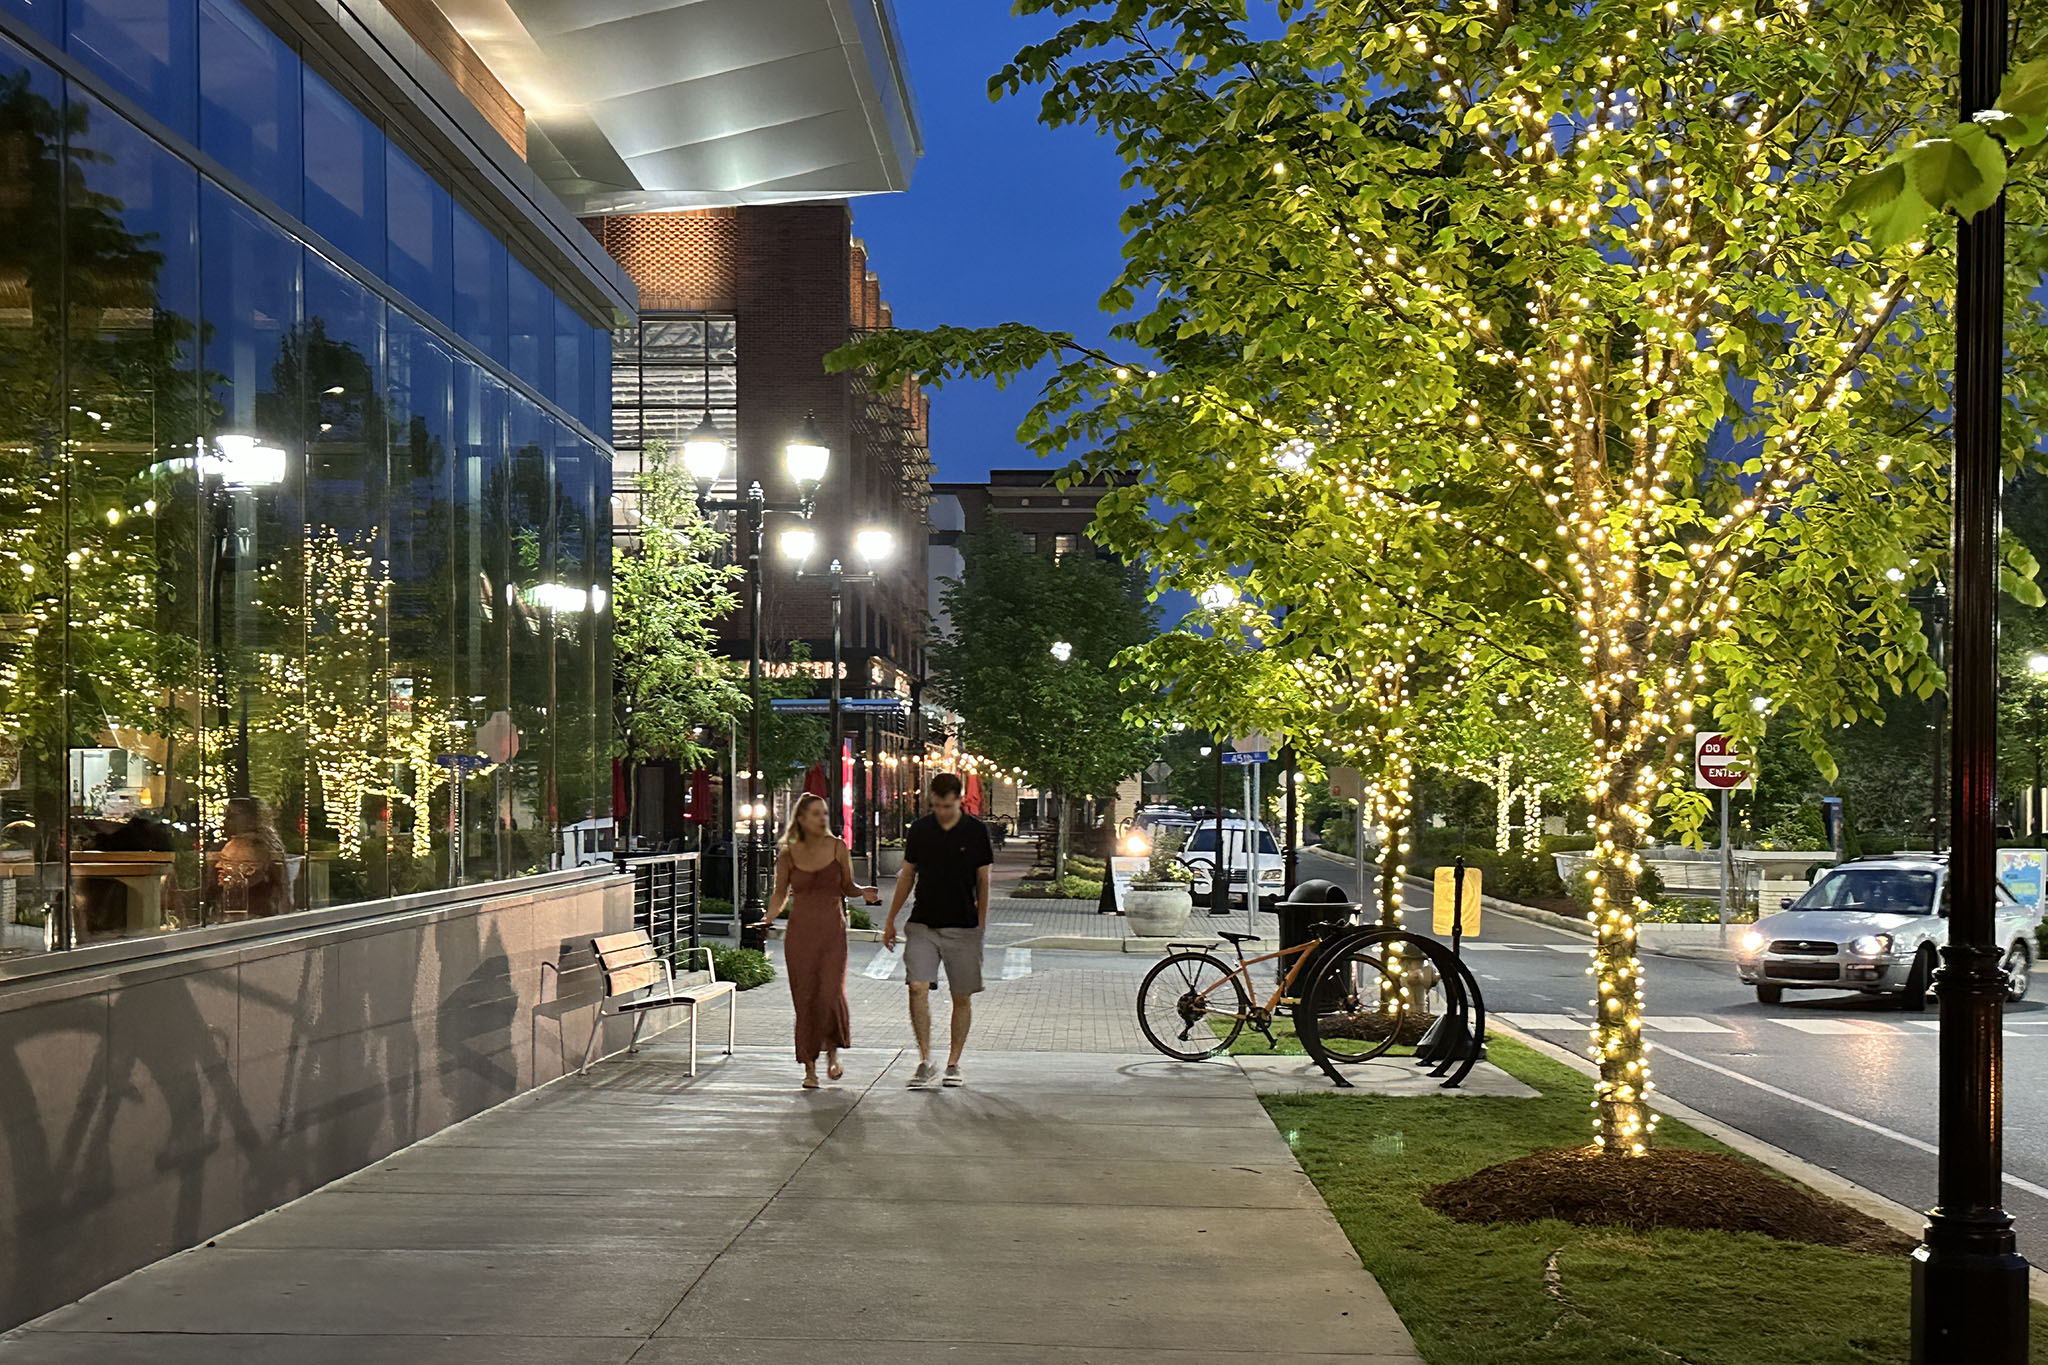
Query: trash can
x,y
1312,903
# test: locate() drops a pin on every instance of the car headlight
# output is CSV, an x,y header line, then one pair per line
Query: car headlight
x,y
1753,942
1871,945
1272,874
1136,845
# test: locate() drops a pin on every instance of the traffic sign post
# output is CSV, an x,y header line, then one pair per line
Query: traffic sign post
x,y
1716,766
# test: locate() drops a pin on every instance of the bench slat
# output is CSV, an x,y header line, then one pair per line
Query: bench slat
x,y
626,980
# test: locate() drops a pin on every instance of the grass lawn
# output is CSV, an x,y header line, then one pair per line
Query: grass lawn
x,y
1476,1295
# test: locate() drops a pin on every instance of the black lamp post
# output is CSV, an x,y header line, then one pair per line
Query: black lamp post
x,y
1969,1280
807,458
873,545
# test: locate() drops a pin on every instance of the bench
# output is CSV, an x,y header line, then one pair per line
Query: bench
x,y
637,978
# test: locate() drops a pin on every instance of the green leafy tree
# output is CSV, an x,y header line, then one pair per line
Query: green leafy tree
x,y
1060,720
1566,290
673,689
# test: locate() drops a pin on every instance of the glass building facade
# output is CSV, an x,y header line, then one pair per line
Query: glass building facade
x,y
304,497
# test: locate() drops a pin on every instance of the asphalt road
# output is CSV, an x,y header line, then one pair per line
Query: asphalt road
x,y
1845,1081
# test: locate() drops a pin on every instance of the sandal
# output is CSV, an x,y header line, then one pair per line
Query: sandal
x,y
810,1082
836,1071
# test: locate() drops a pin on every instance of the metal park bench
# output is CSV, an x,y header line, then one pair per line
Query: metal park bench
x,y
637,978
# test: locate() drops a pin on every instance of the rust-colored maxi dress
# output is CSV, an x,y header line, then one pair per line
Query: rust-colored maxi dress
x,y
814,954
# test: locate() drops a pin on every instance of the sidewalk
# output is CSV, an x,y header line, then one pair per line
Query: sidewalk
x,y
1064,1208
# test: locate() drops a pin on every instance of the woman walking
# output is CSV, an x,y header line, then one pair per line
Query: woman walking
x,y
813,878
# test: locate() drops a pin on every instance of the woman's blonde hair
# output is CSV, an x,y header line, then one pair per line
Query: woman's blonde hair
x,y
793,834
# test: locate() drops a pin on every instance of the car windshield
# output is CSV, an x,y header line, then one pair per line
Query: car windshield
x,y
1204,840
1880,890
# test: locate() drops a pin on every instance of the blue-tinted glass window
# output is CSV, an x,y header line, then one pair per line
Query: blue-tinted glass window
x,y
479,278
574,343
42,16
598,399
480,556
146,49
422,230
249,101
533,328
530,591
344,174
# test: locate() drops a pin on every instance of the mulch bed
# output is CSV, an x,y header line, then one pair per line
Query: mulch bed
x,y
1373,1025
1670,1187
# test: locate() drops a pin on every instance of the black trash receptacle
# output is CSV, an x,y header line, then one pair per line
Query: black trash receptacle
x,y
1312,903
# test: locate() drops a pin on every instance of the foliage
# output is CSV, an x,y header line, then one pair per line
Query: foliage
x,y
714,907
673,686
746,968
1515,344
1060,889
1163,864
857,917
791,741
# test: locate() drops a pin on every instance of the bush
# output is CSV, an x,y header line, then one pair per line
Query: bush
x,y
857,917
746,968
1694,912
714,907
1072,889
1526,874
1086,867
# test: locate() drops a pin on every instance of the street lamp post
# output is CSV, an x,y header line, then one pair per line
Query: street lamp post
x,y
873,545
807,458
1969,1279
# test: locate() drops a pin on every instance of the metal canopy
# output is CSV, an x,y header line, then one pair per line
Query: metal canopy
x,y
644,105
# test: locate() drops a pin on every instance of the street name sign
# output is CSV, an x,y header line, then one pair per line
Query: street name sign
x,y
1716,766
1243,759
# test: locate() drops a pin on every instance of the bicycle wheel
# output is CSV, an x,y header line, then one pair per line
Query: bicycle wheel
x,y
1363,1000
1192,1006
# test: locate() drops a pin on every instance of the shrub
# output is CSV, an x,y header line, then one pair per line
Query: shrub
x,y
857,917
1526,874
746,968
714,907
1072,889
1164,865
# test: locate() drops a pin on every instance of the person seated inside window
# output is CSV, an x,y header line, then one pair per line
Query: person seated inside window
x,y
248,877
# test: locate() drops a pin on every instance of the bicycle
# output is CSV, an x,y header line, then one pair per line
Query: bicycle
x,y
1182,1003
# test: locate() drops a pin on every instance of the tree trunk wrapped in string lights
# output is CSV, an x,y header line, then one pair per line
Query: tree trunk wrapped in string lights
x,y
1557,300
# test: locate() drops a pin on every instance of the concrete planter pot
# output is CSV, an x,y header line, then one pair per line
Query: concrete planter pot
x,y
1157,909
888,860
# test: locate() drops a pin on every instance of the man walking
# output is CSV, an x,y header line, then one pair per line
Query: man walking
x,y
945,859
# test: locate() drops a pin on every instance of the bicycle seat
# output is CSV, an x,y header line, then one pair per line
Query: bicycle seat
x,y
1229,937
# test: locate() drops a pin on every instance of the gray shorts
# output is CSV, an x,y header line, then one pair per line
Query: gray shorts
x,y
925,949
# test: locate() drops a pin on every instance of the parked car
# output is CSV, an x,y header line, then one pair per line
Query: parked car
x,y
1146,825
1875,925
1240,839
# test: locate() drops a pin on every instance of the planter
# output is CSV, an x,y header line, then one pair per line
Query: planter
x,y
1157,909
888,860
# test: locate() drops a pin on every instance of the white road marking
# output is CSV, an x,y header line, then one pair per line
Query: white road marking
x,y
1934,1026
1580,948
883,964
1916,1143
1832,1026
1685,1023
1012,924
1016,963
1538,1022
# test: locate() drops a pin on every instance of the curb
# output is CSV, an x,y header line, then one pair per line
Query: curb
x,y
1580,929
1817,1178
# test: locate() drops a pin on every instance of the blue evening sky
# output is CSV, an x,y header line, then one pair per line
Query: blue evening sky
x,y
1005,220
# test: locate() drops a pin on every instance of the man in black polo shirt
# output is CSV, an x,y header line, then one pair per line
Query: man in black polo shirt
x,y
946,859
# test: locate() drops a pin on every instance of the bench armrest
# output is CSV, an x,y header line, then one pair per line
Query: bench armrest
x,y
709,965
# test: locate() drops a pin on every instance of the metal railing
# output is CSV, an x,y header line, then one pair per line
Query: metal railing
x,y
667,895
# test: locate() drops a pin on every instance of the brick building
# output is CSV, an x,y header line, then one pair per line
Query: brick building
x,y
739,308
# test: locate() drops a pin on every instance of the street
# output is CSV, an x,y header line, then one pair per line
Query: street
x,y
1844,1081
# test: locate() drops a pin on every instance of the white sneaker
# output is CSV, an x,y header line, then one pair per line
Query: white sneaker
x,y
921,1079
953,1077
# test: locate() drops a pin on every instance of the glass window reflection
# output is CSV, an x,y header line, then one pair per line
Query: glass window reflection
x,y
344,174
249,101
144,49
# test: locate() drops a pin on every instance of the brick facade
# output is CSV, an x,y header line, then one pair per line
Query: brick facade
x,y
796,282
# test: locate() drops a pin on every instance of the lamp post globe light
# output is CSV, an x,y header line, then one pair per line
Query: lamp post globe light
x,y
874,545
807,459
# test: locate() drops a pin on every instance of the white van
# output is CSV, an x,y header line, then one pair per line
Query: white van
x,y
1241,839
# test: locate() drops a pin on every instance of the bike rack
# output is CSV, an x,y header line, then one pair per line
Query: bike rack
x,y
1462,999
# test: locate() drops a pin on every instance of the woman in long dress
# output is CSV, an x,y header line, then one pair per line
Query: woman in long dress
x,y
813,878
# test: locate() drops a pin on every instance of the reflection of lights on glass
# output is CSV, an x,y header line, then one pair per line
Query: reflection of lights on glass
x,y
598,598
558,597
242,461
336,392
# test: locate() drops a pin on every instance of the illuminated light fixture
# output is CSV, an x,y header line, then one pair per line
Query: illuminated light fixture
x,y
874,544
1217,596
1062,651
2037,664
704,452
242,461
598,597
1896,575
1759,704
798,543
807,456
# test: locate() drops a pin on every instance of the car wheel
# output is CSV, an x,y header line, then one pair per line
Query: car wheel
x,y
1918,981
2019,971
1770,995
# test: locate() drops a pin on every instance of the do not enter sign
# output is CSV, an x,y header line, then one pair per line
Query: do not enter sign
x,y
1716,766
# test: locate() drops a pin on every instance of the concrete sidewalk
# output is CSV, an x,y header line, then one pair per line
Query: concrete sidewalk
x,y
1063,1208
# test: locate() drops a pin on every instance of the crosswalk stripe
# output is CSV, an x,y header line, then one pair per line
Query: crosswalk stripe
x,y
1580,948
1540,1022
1834,1026
1686,1024
1016,963
883,964
1934,1025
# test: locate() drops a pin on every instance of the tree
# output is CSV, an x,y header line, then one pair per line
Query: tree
x,y
1058,717
1562,294
673,686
